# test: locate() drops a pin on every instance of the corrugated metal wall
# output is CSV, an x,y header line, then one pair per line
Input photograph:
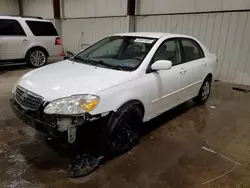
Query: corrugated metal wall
x,y
42,8
84,24
94,8
149,7
77,32
9,7
225,34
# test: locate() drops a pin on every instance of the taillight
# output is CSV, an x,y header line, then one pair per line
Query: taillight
x,y
58,41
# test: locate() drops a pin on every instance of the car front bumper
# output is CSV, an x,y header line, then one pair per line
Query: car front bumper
x,y
54,125
32,120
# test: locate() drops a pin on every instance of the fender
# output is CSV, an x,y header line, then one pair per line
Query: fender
x,y
133,90
34,45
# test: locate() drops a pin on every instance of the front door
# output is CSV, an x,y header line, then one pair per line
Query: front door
x,y
12,40
166,83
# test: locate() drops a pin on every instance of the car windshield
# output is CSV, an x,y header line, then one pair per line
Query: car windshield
x,y
124,53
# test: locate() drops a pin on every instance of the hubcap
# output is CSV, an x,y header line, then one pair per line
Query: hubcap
x,y
37,58
205,91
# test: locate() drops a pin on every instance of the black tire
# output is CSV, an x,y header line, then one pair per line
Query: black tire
x,y
202,96
36,52
123,128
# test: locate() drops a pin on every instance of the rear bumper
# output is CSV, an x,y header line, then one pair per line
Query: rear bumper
x,y
34,122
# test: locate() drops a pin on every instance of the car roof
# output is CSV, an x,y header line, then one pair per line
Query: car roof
x,y
156,35
24,18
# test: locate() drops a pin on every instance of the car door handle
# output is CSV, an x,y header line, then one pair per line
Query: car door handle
x,y
25,40
183,71
204,63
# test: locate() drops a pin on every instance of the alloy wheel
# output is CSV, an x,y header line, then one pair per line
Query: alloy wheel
x,y
37,58
205,91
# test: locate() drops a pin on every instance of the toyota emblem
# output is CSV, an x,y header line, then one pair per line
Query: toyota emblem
x,y
24,96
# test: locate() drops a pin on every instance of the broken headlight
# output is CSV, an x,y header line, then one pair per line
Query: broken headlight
x,y
73,105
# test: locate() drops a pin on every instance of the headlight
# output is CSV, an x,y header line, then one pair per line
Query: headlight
x,y
73,105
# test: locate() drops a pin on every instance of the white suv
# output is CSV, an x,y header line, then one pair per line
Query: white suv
x,y
125,79
33,40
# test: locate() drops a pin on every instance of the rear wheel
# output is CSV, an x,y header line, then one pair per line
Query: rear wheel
x,y
36,58
123,128
204,92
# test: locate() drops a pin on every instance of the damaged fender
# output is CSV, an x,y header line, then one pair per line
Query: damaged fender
x,y
70,124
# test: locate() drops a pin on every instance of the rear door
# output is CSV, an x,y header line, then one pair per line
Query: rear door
x,y
193,68
45,35
12,40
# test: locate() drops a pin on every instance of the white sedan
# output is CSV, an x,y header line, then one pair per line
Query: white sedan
x,y
126,78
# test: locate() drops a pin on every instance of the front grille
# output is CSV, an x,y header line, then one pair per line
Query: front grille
x,y
27,99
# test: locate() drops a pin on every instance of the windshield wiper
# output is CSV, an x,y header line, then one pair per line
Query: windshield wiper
x,y
79,58
98,63
102,63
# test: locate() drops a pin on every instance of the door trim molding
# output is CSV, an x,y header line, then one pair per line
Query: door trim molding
x,y
198,82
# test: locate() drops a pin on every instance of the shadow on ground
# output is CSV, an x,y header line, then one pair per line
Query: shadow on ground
x,y
6,68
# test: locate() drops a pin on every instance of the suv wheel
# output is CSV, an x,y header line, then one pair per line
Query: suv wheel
x,y
123,126
204,92
36,58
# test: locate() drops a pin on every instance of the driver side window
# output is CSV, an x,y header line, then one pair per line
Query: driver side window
x,y
169,50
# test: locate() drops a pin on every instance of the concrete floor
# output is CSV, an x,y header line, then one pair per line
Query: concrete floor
x,y
170,155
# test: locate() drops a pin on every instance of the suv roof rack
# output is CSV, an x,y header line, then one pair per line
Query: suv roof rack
x,y
37,17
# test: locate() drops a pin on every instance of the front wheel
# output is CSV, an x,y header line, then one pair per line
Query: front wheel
x,y
203,93
123,128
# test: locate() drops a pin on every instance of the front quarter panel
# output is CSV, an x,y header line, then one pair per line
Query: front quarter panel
x,y
113,98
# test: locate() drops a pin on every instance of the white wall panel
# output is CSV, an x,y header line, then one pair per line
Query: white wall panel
x,y
76,32
42,8
225,34
94,8
146,7
9,7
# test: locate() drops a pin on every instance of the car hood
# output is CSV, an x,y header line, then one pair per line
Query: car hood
x,y
68,78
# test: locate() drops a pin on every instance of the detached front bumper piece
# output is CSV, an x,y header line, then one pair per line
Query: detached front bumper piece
x,y
33,120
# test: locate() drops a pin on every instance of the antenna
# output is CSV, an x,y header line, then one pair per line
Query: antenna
x,y
175,27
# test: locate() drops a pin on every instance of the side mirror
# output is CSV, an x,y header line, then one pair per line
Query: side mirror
x,y
162,65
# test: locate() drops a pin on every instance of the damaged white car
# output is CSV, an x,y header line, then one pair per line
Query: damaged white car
x,y
127,78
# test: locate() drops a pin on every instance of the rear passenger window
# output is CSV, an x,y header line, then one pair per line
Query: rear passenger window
x,y
11,28
42,28
192,50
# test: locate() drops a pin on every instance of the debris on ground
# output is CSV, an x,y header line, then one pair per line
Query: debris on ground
x,y
212,107
241,89
218,177
60,171
83,165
